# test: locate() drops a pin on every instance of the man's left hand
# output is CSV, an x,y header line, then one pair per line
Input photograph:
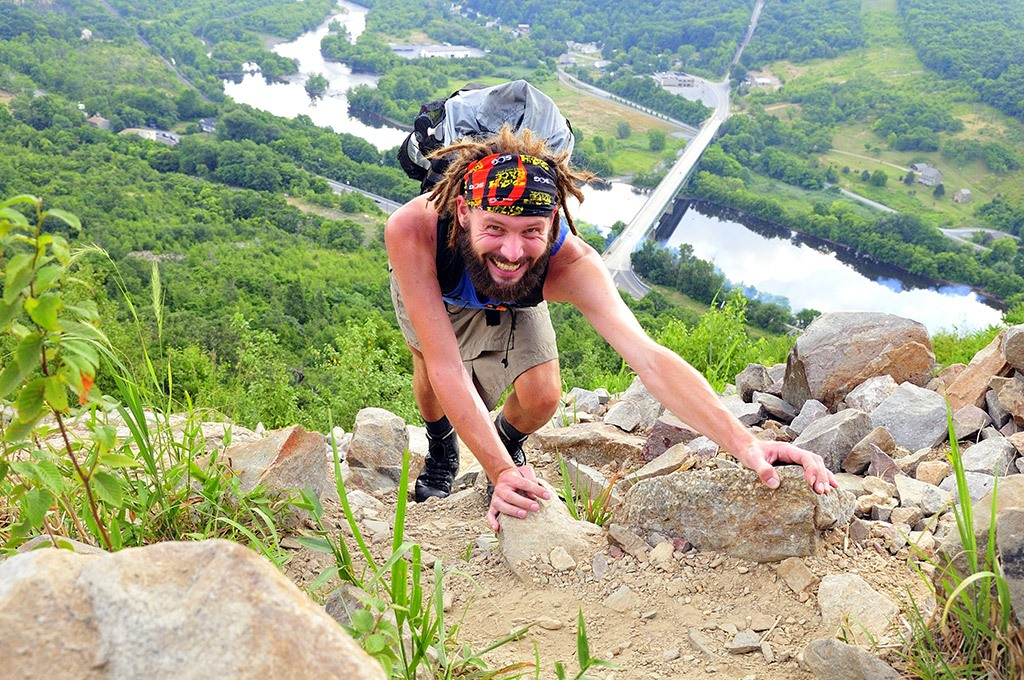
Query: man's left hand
x,y
760,455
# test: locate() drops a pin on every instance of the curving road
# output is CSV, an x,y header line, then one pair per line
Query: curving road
x,y
617,257
385,204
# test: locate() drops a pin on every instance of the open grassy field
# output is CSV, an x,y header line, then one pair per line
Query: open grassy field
x,y
889,58
593,117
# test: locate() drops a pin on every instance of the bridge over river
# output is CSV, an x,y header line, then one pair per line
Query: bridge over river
x,y
617,257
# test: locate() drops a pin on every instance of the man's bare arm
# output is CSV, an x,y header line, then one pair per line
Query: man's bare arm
x,y
578,276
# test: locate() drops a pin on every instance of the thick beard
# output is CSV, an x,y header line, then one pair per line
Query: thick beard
x,y
484,283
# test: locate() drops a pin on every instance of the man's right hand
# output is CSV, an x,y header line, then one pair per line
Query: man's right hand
x,y
515,493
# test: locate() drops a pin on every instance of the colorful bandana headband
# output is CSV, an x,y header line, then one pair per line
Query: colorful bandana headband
x,y
511,185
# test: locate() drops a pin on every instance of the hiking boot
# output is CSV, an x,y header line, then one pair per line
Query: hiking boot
x,y
439,468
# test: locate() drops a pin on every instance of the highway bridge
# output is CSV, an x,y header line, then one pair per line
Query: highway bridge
x,y
617,257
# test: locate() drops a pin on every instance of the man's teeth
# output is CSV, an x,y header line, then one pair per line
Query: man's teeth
x,y
507,266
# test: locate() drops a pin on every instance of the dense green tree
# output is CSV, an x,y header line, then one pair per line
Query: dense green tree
x,y
978,43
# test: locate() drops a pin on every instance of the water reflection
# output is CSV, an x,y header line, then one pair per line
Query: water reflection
x,y
812,275
602,207
289,99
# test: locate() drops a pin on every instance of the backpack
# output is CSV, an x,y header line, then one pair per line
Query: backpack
x,y
478,112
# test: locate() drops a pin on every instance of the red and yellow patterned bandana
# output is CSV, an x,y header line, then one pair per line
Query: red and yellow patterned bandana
x,y
511,185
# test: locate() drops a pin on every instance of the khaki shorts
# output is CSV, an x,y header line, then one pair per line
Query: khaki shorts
x,y
484,348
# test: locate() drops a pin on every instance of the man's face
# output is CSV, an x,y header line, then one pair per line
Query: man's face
x,y
505,256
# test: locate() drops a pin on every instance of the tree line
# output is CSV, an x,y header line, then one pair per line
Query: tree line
x,y
977,43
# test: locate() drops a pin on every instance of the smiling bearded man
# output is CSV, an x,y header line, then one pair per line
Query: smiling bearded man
x,y
472,266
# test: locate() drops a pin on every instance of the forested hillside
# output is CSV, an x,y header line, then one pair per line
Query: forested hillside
x,y
978,43
799,30
272,300
271,296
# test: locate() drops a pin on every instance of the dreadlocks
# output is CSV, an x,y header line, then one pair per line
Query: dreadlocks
x,y
465,152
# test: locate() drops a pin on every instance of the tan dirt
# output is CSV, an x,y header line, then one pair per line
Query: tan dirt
x,y
712,593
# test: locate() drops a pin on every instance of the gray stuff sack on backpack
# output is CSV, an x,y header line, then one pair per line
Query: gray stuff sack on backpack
x,y
479,113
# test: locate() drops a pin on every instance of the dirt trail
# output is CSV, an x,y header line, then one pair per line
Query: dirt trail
x,y
650,637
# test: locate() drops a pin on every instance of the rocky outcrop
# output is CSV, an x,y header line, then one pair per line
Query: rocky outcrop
x,y
970,386
731,511
181,610
284,460
841,350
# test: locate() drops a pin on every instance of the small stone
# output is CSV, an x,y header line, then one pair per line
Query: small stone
x,y
486,542
795,573
760,622
548,623
767,653
701,643
621,600
745,642
661,556
561,560
670,654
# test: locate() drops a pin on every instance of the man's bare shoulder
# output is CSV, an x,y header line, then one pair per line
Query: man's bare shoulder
x,y
575,265
413,223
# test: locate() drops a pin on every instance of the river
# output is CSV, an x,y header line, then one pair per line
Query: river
x,y
807,275
289,99
814,275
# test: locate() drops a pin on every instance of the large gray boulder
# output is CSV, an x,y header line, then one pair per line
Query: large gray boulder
x,y
753,378
526,542
978,484
379,439
833,436
840,350
649,407
830,659
211,609
870,393
1010,496
993,456
1010,542
732,511
916,417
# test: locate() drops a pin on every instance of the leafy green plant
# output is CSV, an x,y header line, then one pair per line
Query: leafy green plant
x,y
582,504
403,623
586,662
57,349
64,468
719,346
976,635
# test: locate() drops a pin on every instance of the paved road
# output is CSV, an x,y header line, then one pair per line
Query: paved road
x,y
385,204
617,257
866,201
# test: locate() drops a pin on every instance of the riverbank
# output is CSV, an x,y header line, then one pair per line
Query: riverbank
x,y
773,261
